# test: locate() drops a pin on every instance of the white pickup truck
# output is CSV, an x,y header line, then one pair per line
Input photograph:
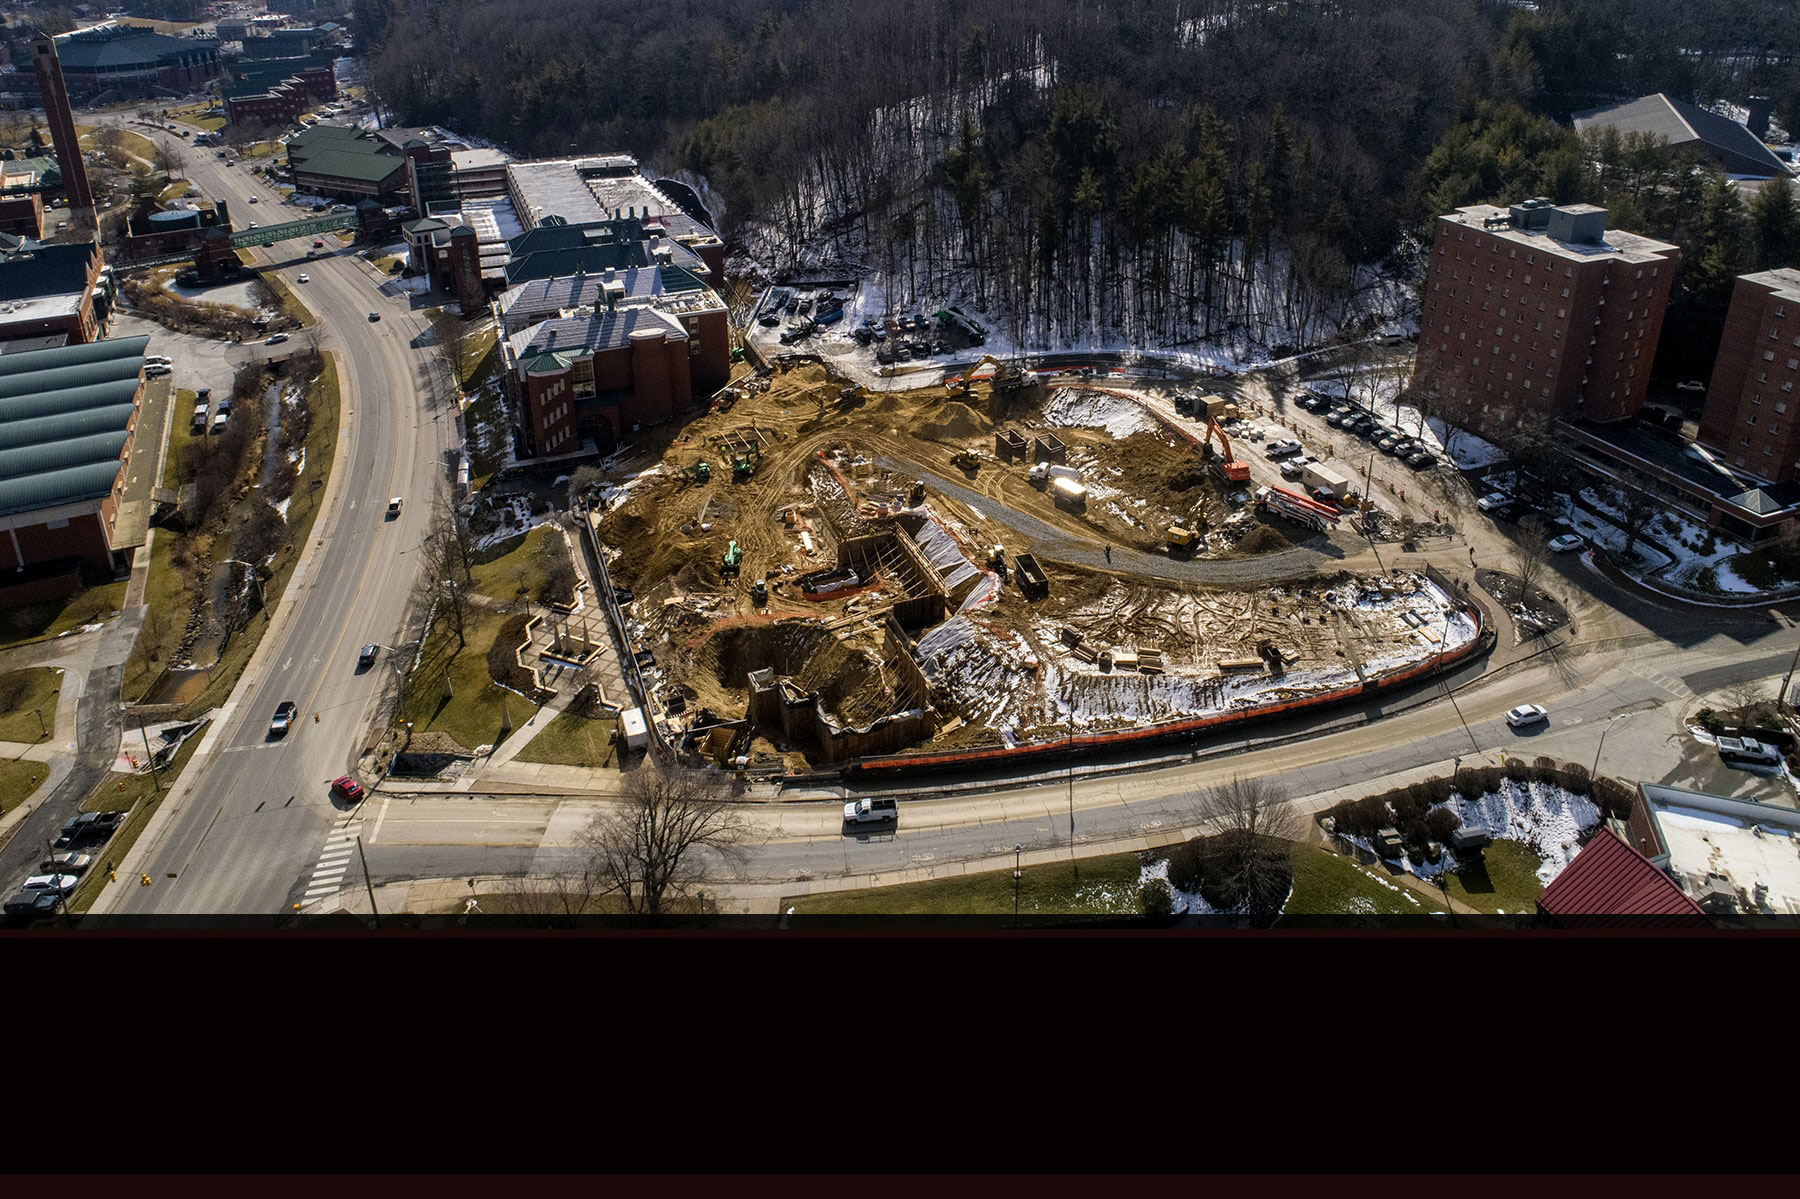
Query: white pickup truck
x,y
1748,750
872,811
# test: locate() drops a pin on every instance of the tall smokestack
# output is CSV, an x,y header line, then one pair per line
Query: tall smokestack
x,y
62,131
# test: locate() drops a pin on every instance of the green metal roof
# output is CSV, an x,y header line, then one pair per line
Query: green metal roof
x,y
343,164
59,455
93,351
68,486
84,374
65,416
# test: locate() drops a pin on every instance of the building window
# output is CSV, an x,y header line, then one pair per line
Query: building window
x,y
1766,451
1565,294
1750,420
1780,406
1768,355
1757,398
1781,310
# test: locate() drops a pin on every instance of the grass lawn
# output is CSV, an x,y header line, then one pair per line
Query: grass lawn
x,y
290,303
260,149
38,622
322,397
1505,880
135,144
18,780
138,794
23,694
485,419
1328,885
165,591
176,189
517,561
180,422
1106,886
197,115
573,740
477,708
388,264
483,360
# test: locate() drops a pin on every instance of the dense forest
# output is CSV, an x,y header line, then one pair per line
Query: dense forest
x,y
1159,170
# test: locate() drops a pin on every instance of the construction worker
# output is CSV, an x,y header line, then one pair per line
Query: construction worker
x,y
1109,555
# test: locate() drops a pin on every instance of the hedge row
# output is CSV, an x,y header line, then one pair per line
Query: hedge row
x,y
1412,810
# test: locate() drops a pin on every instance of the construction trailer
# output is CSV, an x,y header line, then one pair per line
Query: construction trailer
x,y
634,733
1323,478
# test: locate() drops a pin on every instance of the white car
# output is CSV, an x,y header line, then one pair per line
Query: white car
x,y
1526,714
1691,385
1565,543
305,278
61,883
1492,500
155,370
253,199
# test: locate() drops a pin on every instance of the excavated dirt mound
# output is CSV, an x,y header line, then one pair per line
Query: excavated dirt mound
x,y
955,421
1263,540
848,681
648,527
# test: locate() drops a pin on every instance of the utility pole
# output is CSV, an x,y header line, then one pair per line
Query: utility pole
x,y
1072,860
367,885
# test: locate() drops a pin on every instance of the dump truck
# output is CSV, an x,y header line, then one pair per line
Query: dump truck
x,y
1298,508
1067,493
1042,474
1322,478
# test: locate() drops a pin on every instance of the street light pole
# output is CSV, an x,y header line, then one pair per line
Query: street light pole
x,y
1072,861
1016,875
43,729
1594,770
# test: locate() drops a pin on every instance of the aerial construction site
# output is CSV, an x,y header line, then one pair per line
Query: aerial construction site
x,y
821,574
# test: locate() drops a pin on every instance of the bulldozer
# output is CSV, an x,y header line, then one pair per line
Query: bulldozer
x,y
966,460
733,560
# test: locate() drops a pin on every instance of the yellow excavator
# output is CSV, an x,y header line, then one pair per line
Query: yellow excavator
x,y
1007,376
1183,539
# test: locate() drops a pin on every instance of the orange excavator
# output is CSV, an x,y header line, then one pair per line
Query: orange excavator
x,y
1233,470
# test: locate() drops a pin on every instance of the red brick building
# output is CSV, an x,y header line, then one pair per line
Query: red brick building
x,y
283,102
1751,418
1539,313
52,290
67,423
587,377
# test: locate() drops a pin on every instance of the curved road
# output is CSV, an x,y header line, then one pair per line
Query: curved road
x,y
248,818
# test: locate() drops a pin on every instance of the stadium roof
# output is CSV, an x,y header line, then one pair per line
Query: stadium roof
x,y
65,416
123,47
1738,150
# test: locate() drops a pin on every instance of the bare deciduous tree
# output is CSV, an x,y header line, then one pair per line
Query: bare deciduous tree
x,y
455,342
1252,825
446,559
1530,555
655,846
1636,511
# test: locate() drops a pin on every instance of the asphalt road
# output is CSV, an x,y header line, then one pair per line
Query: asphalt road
x,y
243,827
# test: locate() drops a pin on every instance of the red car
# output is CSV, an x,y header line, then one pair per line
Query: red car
x,y
347,787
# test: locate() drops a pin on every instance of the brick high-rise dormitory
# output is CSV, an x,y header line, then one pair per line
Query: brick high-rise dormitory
x,y
1752,414
1538,313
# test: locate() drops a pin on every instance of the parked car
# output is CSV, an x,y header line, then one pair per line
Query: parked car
x,y
283,720
1691,385
1420,460
1565,543
155,370
1293,468
66,863
62,884
1527,714
220,418
32,904
347,788
1492,500
275,339
1286,448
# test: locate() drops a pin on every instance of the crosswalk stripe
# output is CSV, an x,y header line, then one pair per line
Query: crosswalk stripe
x,y
332,865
